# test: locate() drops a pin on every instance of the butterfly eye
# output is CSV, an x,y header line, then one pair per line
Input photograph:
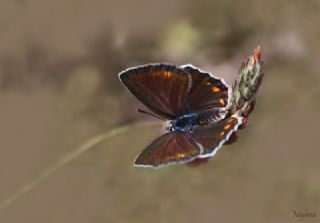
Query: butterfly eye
x,y
215,89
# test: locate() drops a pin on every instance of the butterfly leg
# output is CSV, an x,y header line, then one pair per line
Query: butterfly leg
x,y
198,162
233,138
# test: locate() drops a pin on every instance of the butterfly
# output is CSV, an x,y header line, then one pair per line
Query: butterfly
x,y
196,104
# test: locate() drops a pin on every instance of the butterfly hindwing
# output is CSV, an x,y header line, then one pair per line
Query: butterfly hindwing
x,y
212,137
206,91
172,147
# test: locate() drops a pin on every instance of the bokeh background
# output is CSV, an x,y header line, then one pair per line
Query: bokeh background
x,y
59,89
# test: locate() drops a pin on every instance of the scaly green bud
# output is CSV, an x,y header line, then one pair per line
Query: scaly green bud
x,y
247,84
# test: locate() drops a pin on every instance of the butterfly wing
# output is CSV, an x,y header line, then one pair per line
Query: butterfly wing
x,y
163,88
212,137
172,147
206,91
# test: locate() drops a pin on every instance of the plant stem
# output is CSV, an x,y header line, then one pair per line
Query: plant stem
x,y
66,160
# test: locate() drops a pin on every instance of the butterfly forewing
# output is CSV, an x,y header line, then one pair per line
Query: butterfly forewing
x,y
212,137
206,91
172,147
163,88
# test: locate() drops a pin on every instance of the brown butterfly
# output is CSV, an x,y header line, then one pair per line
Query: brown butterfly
x,y
195,103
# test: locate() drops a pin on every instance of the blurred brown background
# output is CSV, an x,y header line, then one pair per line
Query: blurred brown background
x,y
59,88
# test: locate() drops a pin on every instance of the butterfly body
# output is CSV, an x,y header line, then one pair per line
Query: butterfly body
x,y
183,123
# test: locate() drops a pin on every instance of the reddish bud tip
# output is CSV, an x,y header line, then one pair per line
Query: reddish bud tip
x,y
257,53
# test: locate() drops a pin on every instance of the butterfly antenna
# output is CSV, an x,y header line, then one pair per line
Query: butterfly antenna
x,y
148,113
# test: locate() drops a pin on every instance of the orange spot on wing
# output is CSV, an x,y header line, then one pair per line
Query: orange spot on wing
x,y
208,83
221,134
222,102
227,127
215,89
167,74
181,155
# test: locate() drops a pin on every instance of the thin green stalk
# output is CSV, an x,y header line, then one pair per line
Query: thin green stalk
x,y
66,160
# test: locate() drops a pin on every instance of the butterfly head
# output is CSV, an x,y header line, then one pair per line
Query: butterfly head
x,y
183,123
